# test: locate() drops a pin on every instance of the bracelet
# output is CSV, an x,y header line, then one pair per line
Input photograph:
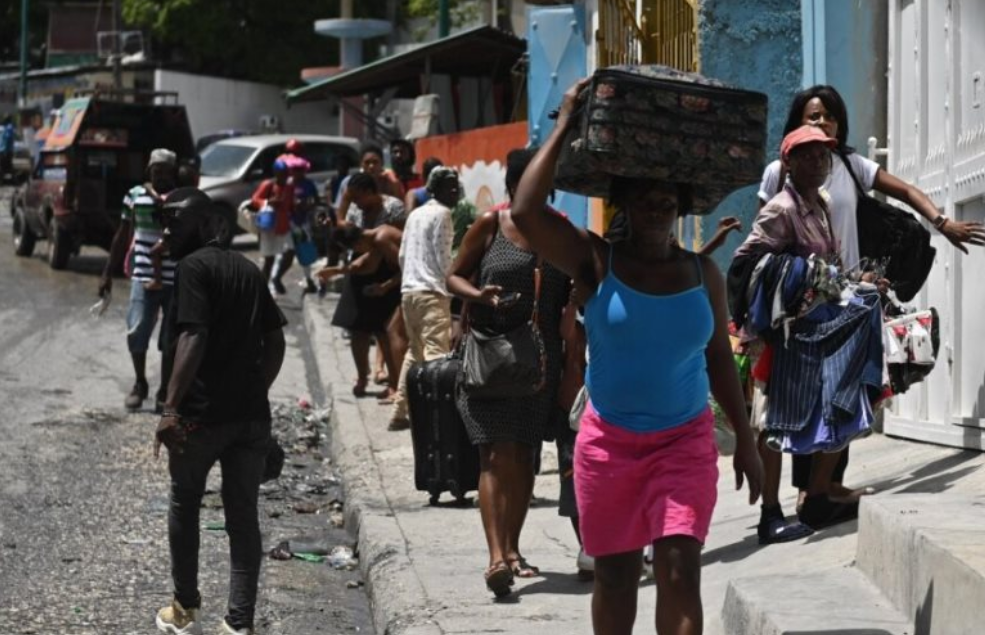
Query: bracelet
x,y
170,413
939,222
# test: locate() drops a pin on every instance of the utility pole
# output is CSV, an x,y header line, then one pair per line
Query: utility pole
x,y
117,48
444,18
22,93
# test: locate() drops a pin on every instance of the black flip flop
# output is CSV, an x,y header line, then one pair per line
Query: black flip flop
x,y
777,530
819,512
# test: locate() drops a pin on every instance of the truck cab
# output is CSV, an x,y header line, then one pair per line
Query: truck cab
x,y
96,151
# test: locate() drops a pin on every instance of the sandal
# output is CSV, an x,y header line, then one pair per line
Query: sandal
x,y
359,389
819,512
521,568
381,377
774,528
387,398
842,494
499,579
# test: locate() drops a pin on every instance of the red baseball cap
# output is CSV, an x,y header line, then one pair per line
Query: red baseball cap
x,y
802,135
293,146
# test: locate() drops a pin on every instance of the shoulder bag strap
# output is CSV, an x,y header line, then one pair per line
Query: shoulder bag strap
x,y
465,318
538,269
851,172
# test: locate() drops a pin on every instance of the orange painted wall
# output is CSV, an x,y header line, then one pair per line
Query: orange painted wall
x,y
464,148
480,157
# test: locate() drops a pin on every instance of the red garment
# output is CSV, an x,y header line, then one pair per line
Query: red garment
x,y
413,182
764,365
283,203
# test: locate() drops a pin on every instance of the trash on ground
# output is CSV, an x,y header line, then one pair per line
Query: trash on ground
x,y
135,541
214,526
281,552
342,557
307,507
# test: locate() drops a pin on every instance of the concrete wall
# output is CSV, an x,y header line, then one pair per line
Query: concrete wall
x,y
754,44
214,103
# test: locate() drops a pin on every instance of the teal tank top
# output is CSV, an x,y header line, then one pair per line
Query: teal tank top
x,y
647,369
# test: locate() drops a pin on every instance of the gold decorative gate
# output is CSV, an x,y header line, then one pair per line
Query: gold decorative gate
x,y
666,33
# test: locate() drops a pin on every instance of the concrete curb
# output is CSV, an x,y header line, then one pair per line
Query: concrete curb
x,y
397,596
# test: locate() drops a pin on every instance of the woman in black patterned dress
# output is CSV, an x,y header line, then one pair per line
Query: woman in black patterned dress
x,y
508,431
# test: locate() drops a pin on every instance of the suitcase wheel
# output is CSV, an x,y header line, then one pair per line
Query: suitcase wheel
x,y
434,490
455,490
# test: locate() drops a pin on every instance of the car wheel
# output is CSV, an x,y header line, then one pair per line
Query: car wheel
x,y
59,246
24,238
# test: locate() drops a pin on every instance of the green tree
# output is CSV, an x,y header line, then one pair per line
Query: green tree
x,y
10,31
262,40
461,12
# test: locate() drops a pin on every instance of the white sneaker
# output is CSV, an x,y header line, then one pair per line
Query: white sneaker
x,y
585,561
586,566
229,630
177,620
648,563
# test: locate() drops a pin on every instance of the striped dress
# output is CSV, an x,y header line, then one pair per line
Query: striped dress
x,y
139,209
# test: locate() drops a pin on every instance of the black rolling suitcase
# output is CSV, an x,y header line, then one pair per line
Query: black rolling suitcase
x,y
444,458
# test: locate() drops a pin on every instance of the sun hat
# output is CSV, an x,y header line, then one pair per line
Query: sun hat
x,y
802,135
162,156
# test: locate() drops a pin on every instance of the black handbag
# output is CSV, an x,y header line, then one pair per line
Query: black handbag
x,y
506,365
893,238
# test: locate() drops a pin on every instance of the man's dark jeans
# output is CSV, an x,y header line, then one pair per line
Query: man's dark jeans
x,y
240,449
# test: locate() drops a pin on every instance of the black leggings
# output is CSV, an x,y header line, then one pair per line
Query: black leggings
x,y
801,476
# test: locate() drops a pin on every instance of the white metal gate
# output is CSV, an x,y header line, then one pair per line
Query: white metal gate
x,y
937,142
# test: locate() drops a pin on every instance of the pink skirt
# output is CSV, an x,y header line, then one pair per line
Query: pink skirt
x,y
634,488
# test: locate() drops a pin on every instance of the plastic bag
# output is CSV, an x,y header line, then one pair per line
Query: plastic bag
x,y
265,218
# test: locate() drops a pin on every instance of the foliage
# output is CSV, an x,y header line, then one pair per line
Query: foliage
x,y
10,31
263,40
461,12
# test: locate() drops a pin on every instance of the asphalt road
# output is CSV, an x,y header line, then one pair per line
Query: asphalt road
x,y
83,541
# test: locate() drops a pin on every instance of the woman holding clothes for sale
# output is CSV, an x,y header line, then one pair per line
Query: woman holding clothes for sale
x,y
823,107
646,465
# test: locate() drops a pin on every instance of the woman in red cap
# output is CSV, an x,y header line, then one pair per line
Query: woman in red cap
x,y
798,221
823,107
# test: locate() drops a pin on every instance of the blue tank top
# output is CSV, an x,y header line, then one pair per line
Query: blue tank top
x,y
647,369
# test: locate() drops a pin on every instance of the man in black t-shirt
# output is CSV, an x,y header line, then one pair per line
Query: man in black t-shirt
x,y
229,346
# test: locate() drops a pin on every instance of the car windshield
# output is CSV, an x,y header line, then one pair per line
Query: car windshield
x,y
225,159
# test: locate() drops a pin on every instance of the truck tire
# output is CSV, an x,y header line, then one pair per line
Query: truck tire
x,y
59,246
24,238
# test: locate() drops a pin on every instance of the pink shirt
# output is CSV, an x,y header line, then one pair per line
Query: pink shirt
x,y
788,225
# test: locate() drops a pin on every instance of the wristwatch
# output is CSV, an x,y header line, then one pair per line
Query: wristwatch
x,y
939,222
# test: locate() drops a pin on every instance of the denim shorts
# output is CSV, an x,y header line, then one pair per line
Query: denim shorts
x,y
142,316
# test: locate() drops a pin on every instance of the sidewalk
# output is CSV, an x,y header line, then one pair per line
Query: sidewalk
x,y
423,565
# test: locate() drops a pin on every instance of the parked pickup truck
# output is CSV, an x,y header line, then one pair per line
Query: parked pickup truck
x,y
96,151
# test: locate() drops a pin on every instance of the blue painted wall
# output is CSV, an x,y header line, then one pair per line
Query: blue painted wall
x,y
779,47
845,45
757,45
557,46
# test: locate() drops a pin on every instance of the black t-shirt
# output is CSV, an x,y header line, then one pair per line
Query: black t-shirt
x,y
226,293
